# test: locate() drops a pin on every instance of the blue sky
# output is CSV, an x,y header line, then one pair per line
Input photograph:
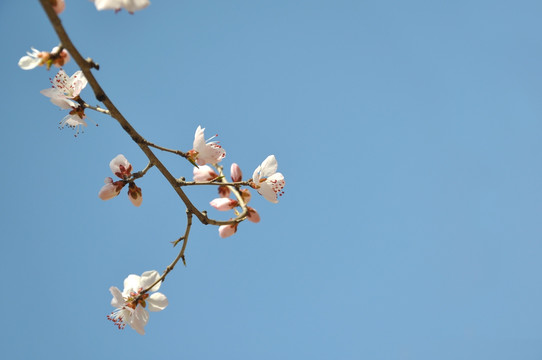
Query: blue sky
x,y
409,135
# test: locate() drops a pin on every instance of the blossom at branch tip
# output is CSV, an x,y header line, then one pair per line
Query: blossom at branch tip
x,y
204,151
267,181
204,173
117,5
58,5
39,58
130,304
65,90
225,231
224,204
123,170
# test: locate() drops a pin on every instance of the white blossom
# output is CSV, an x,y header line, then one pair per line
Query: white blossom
x,y
130,304
267,181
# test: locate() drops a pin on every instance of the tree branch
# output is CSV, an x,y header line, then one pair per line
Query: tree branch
x,y
86,66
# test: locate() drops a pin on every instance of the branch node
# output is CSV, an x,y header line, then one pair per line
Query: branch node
x,y
101,97
92,64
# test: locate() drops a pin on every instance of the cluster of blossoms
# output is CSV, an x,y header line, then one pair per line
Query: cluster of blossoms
x,y
224,202
123,170
134,302
266,180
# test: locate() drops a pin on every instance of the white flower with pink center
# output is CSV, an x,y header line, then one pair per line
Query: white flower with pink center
x,y
133,302
65,89
205,151
129,5
267,181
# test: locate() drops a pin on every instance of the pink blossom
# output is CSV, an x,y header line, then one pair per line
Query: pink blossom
x,y
204,173
227,230
110,189
121,167
123,170
224,204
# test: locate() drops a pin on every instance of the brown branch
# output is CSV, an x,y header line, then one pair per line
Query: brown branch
x,y
177,152
213,182
179,256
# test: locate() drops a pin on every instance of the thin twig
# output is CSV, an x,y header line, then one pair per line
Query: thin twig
x,y
213,182
179,256
97,108
141,173
177,152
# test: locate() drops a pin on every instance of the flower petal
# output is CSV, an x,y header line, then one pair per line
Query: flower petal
x,y
61,102
134,5
272,187
110,189
108,4
131,283
157,302
29,62
139,319
118,300
269,166
148,278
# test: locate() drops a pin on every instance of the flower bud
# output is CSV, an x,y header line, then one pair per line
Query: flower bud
x,y
204,173
252,215
227,230
224,204
236,174
58,5
134,194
